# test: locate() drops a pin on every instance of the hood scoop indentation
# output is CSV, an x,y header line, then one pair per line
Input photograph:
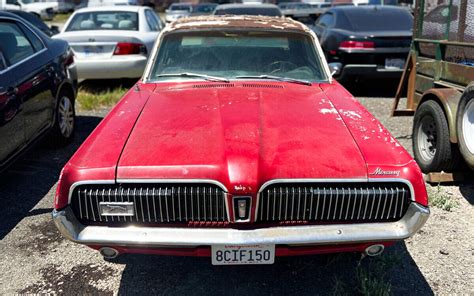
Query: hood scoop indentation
x,y
256,85
219,85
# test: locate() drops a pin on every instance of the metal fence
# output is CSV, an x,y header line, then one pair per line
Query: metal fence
x,y
449,20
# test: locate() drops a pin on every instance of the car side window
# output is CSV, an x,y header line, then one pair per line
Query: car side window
x,y
15,46
151,20
35,41
327,20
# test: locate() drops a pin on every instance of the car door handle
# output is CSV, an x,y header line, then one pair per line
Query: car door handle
x,y
12,91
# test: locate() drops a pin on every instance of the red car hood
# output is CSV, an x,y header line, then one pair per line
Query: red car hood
x,y
242,136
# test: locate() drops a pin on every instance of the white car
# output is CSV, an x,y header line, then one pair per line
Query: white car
x,y
44,10
111,42
177,11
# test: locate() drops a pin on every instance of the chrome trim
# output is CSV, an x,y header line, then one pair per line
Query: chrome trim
x,y
308,180
45,48
190,181
250,208
86,182
150,181
133,236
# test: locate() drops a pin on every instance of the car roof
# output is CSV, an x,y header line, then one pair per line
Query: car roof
x,y
129,8
182,3
236,22
262,5
8,14
366,7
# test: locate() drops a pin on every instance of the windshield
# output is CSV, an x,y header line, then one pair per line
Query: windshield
x,y
180,7
104,20
205,8
231,54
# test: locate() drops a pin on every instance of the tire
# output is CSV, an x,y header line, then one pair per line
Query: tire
x,y
465,125
65,120
431,146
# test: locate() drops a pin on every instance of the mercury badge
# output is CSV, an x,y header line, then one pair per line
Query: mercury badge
x,y
380,172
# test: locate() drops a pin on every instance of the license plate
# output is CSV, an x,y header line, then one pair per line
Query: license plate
x,y
240,255
394,64
87,51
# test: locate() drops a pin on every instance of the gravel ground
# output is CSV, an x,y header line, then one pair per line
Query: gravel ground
x,y
36,259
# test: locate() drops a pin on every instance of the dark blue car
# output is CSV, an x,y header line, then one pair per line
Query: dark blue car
x,y
37,88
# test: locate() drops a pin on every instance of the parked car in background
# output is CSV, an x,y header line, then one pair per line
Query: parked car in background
x,y
36,21
106,3
248,9
203,9
65,6
238,145
111,42
44,10
366,41
37,88
178,10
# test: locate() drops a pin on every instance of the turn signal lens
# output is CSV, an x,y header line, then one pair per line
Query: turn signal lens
x,y
351,44
125,48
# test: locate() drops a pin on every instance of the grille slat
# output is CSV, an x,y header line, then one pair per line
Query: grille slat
x,y
152,203
333,202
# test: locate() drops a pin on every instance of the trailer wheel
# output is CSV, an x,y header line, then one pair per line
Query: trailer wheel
x,y
431,146
465,125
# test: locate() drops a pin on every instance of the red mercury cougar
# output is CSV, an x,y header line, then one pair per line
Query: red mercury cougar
x,y
238,145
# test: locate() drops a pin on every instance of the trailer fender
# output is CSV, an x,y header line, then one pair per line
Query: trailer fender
x,y
448,99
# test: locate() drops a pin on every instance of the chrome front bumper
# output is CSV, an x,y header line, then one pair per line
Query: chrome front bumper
x,y
131,236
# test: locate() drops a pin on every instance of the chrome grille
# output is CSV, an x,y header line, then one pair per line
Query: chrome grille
x,y
152,203
333,202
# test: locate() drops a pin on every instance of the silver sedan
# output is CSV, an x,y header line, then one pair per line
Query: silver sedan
x,y
111,42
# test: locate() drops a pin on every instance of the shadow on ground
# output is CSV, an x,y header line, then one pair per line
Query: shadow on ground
x,y
304,275
376,88
31,177
467,190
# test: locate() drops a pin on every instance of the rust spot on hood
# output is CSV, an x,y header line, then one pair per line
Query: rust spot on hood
x,y
235,22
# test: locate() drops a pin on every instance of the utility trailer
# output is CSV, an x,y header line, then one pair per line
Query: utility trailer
x,y
439,83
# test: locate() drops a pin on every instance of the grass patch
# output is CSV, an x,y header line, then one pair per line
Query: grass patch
x,y
89,100
442,200
370,277
61,17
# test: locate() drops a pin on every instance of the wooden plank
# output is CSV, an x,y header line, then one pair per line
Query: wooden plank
x,y
443,177
403,81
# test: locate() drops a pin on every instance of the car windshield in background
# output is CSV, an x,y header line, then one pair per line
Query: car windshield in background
x,y
180,7
249,11
231,54
379,19
104,20
205,8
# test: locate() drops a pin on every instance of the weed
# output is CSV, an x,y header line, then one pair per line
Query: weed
x,y
441,200
87,100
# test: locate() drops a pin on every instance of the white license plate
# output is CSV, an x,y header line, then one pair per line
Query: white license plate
x,y
394,64
245,254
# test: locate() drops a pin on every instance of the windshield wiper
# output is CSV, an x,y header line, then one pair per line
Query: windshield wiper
x,y
203,76
284,79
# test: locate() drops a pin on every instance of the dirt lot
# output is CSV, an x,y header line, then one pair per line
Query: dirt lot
x,y
36,259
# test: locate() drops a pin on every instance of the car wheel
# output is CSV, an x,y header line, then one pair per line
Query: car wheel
x,y
64,126
465,125
431,146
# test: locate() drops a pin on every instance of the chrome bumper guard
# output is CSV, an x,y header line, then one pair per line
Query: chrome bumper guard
x,y
72,229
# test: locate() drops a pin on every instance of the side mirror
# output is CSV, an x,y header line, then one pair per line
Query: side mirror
x,y
16,3
167,11
335,69
54,30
